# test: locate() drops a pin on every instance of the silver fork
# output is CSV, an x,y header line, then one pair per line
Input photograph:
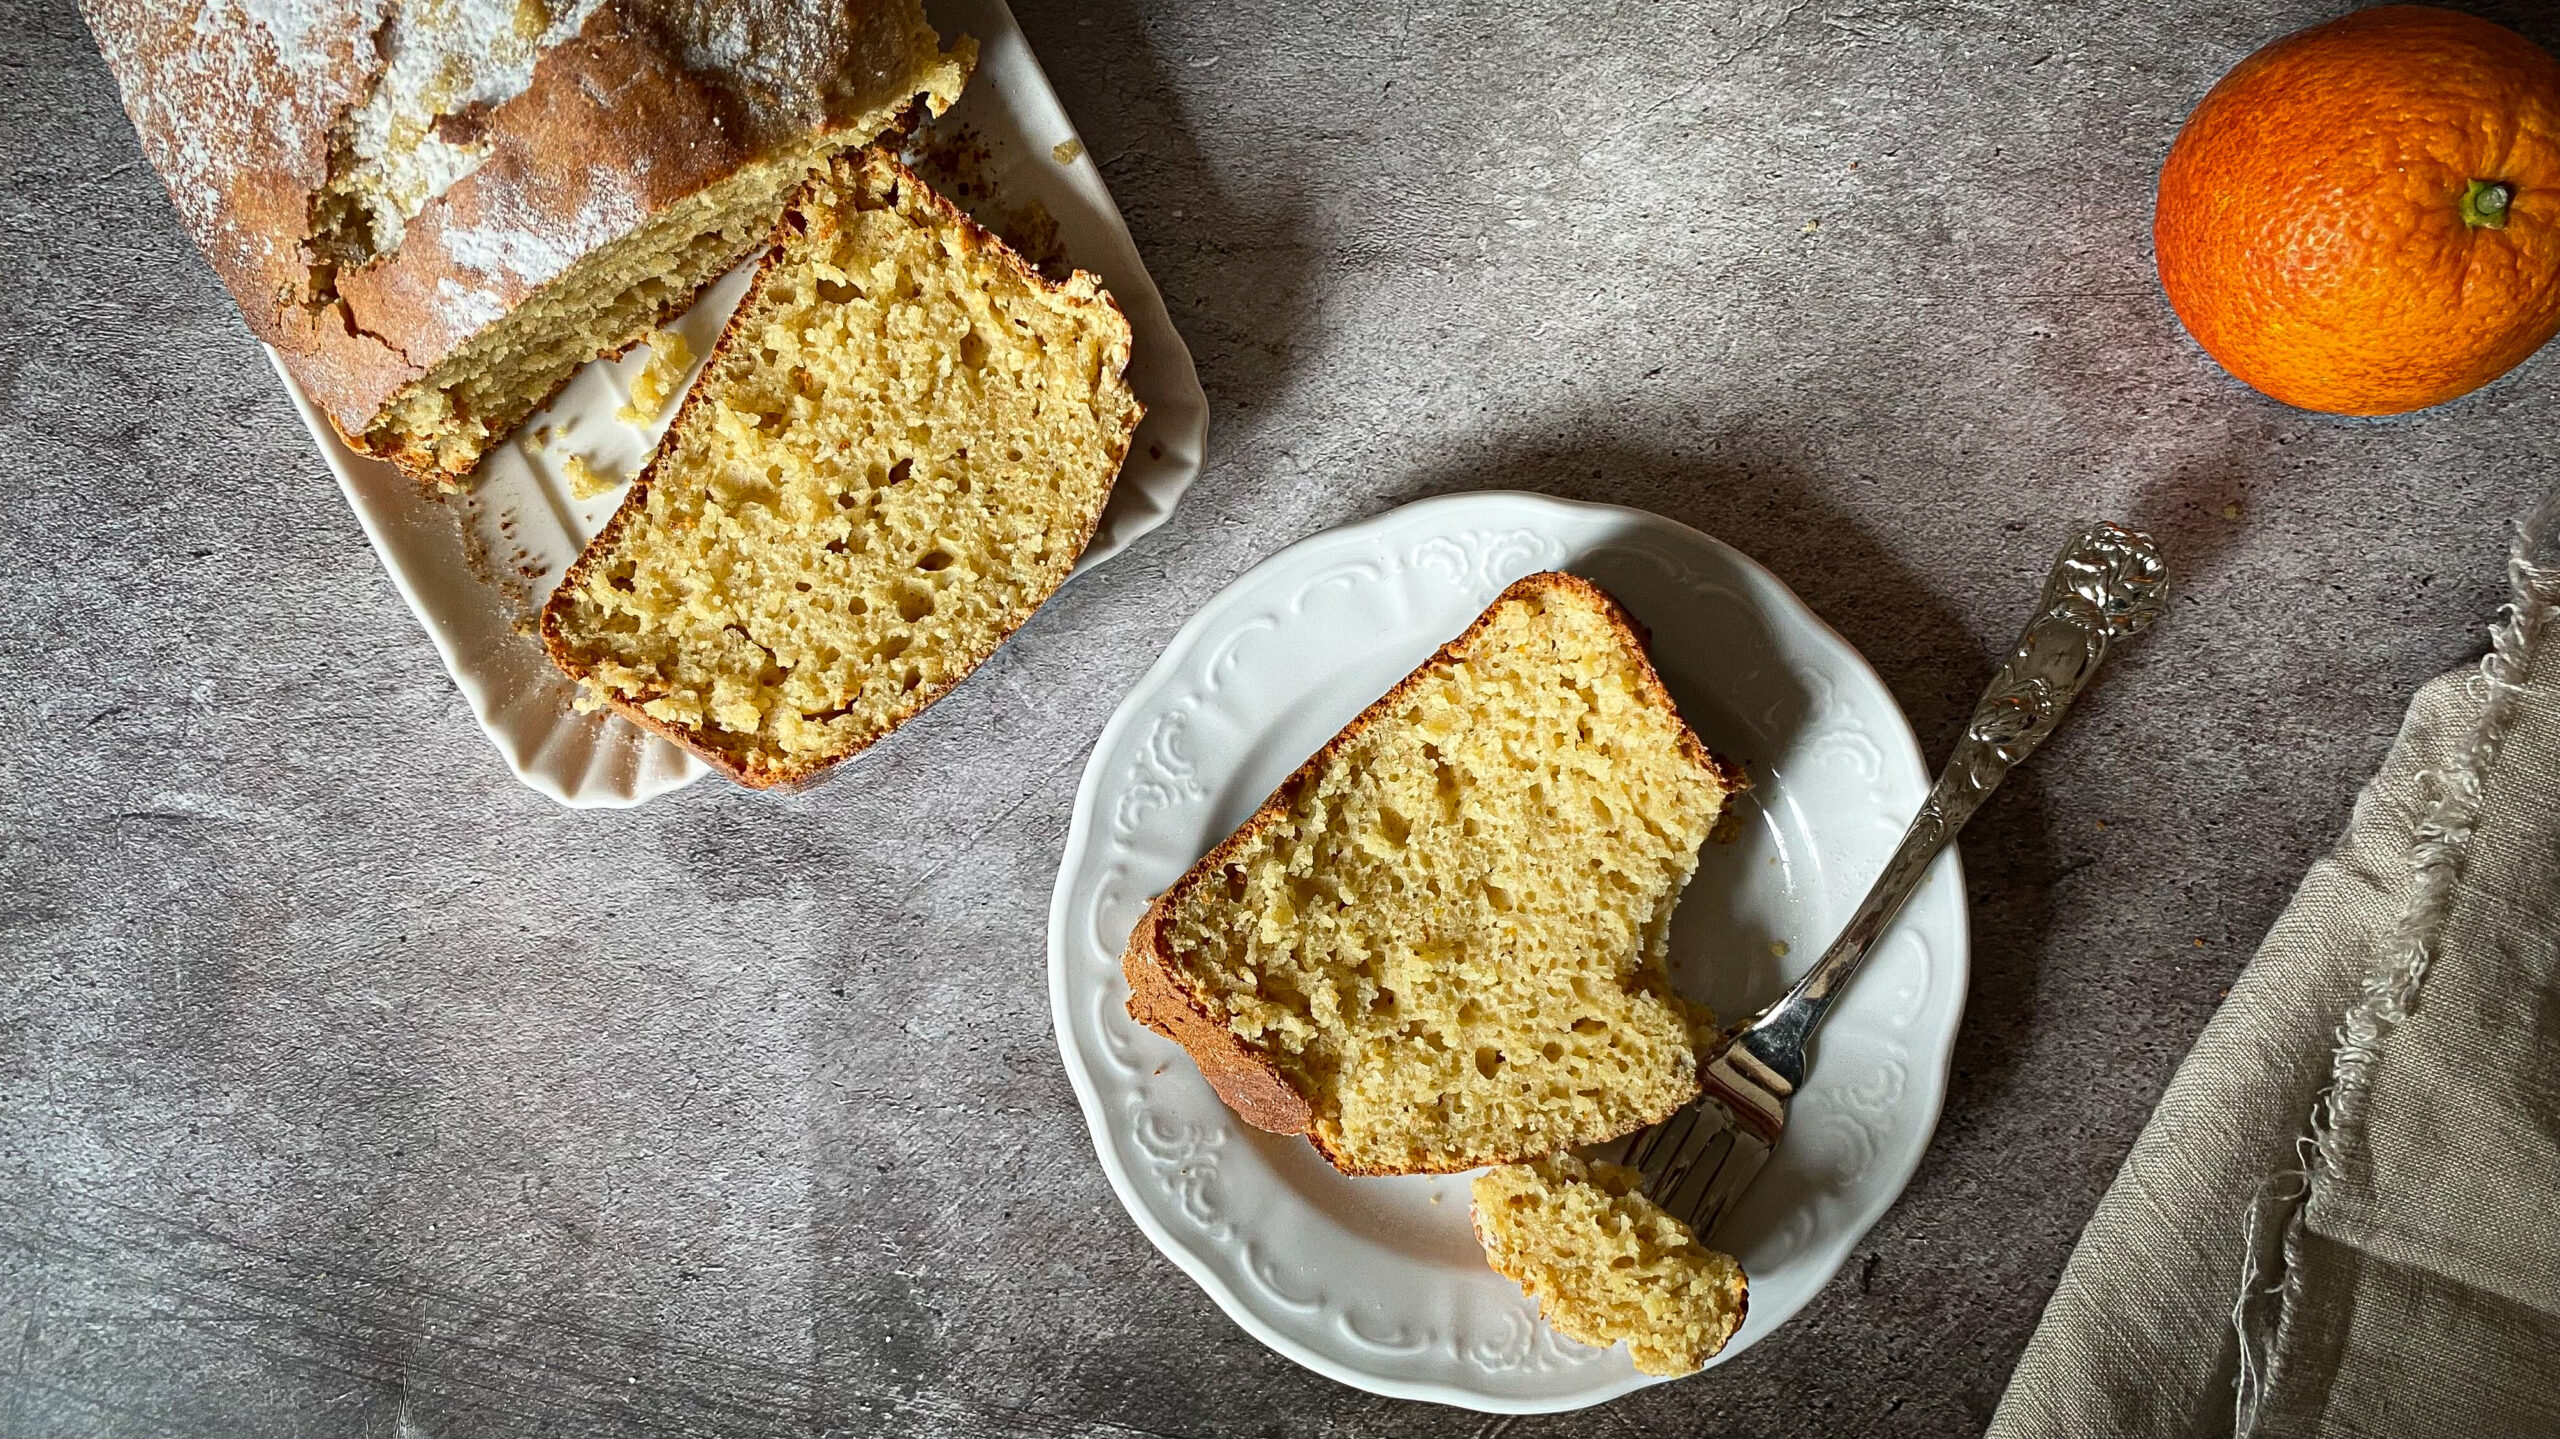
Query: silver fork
x,y
2109,582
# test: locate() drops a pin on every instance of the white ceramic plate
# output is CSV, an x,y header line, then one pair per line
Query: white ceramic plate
x,y
1377,1282
472,567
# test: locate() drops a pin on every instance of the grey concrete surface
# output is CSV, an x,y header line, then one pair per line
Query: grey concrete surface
x,y
348,1088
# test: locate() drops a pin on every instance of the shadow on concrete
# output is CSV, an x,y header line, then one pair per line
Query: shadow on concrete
x,y
1234,243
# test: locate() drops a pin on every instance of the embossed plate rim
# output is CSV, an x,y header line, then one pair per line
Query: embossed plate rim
x,y
1466,1355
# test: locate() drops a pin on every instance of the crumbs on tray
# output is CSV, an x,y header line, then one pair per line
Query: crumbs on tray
x,y
669,358
585,480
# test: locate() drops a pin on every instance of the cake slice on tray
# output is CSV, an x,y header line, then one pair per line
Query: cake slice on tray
x,y
1441,943
898,450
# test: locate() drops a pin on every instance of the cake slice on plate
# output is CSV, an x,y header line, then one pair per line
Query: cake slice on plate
x,y
1440,944
898,450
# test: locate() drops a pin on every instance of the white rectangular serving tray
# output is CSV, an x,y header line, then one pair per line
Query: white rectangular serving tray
x,y
475,567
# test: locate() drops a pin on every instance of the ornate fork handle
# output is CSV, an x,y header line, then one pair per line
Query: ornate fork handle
x,y
2109,582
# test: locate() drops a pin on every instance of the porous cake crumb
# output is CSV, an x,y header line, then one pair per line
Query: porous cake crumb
x,y
585,480
1441,943
898,450
659,378
1606,1264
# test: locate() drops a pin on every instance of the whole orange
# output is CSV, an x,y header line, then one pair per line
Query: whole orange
x,y
2364,217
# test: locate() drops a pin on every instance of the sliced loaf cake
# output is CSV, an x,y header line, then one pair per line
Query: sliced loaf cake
x,y
1606,1264
1440,944
436,212
898,450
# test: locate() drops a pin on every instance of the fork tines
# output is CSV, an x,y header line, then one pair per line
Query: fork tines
x,y
1700,1160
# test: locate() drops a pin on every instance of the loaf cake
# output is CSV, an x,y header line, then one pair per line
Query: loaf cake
x,y
1440,943
1606,1264
436,212
897,451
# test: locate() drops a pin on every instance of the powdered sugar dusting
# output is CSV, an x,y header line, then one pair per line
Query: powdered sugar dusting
x,y
371,107
440,58
222,87
288,23
529,255
468,308
301,141
341,95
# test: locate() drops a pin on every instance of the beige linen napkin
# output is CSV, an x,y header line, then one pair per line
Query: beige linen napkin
x,y
2344,1218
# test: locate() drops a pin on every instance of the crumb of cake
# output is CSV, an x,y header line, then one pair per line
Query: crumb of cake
x,y
585,480
662,376
1065,152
